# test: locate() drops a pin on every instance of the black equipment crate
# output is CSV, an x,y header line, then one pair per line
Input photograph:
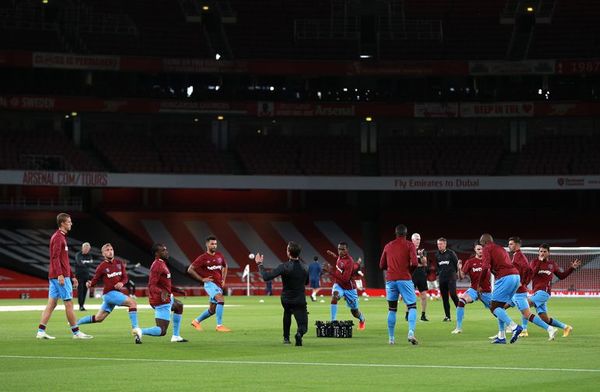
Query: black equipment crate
x,y
334,329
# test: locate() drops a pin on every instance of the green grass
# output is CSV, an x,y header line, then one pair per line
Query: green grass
x,y
253,358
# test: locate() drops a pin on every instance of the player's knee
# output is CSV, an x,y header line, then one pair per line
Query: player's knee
x,y
393,306
411,306
163,330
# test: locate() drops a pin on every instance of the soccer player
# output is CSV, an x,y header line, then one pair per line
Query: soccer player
x,y
507,282
481,287
447,269
398,259
113,273
314,274
520,298
294,276
59,277
211,269
419,277
344,286
543,269
161,299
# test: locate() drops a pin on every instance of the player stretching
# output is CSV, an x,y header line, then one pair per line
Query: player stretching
x,y
161,299
211,268
543,269
59,279
344,286
398,259
113,273
507,282
520,298
481,287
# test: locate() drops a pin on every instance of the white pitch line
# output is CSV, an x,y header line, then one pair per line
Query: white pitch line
x,y
283,363
30,308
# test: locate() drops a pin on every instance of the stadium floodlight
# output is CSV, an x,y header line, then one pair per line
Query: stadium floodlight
x,y
189,91
73,114
220,118
368,119
529,9
365,56
205,8
196,119
217,56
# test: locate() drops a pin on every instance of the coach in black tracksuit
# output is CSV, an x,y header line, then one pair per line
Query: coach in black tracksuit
x,y
83,262
294,275
447,270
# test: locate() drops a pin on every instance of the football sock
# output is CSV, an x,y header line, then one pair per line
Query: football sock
x,y
75,329
176,324
501,329
333,311
133,317
557,323
412,319
525,321
503,316
538,321
460,314
391,323
220,306
87,320
152,331
206,314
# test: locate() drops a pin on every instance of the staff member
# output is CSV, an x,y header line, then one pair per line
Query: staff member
x,y
83,260
447,270
294,276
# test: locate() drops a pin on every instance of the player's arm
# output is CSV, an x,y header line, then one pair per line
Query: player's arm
x,y
92,282
55,259
224,275
332,254
192,272
383,259
563,274
413,256
267,275
124,277
454,260
348,268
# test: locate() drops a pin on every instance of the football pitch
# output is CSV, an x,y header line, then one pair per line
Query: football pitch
x,y
253,358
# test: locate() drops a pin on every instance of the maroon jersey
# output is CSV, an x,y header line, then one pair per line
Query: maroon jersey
x,y
542,274
59,256
398,259
355,271
111,272
522,265
497,260
480,277
159,283
207,265
342,275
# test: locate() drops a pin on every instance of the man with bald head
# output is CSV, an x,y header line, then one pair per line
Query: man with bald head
x,y
507,281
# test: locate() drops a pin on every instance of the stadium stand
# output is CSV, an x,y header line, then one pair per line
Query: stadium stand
x,y
467,155
325,155
42,150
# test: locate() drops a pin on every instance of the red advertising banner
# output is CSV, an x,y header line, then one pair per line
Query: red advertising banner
x,y
437,110
578,67
497,109
524,67
75,61
282,109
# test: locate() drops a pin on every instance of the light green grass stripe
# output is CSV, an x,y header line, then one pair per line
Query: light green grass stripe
x,y
284,363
